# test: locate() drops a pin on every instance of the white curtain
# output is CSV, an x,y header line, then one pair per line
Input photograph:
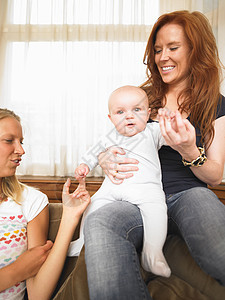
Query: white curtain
x,y
63,59
59,61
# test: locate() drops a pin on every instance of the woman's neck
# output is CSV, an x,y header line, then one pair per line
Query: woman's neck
x,y
171,100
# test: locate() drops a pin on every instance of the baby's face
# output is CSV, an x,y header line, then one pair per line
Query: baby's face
x,y
129,111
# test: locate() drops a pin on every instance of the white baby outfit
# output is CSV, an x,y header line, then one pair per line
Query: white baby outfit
x,y
144,189
13,232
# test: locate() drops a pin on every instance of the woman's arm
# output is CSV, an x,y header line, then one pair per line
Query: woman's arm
x,y
26,266
181,137
116,167
73,206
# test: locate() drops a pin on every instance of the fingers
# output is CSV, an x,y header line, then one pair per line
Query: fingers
x,y
81,194
115,180
117,150
127,160
116,167
81,171
66,186
82,184
189,126
177,132
117,177
48,245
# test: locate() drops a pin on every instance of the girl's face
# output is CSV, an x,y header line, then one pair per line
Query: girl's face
x,y
11,149
171,55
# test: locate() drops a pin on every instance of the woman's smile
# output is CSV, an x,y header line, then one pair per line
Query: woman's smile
x,y
171,54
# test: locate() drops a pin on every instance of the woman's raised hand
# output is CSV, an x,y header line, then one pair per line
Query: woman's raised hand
x,y
77,201
178,133
115,166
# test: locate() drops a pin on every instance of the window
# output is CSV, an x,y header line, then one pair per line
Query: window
x,y
63,60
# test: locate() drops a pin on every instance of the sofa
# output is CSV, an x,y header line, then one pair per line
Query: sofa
x,y
187,282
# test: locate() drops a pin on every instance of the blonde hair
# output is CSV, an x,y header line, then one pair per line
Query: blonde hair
x,y
202,95
11,187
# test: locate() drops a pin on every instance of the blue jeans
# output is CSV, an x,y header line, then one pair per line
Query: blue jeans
x,y
200,218
114,236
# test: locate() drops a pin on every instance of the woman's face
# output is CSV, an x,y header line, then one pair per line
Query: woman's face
x,y
11,149
172,54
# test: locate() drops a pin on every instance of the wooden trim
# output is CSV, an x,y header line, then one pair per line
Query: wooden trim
x,y
219,190
52,186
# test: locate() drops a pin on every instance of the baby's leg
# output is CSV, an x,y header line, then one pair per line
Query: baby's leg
x,y
96,202
155,230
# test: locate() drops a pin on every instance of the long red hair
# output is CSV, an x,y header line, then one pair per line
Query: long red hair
x,y
202,94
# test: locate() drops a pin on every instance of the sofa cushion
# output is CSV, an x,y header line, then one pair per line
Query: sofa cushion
x,y
184,267
174,288
187,281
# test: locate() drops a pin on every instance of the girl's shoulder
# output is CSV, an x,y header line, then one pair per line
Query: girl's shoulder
x,y
34,201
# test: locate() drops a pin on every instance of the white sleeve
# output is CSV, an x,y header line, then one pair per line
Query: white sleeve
x,y
33,203
90,158
158,138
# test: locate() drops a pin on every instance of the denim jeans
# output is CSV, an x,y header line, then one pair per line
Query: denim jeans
x,y
200,218
114,236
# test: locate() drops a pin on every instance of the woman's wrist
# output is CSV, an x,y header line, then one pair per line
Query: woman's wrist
x,y
191,154
198,161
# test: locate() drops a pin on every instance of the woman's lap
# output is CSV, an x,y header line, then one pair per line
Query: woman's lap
x,y
113,235
200,218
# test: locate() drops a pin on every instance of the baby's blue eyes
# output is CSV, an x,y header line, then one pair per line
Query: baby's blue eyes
x,y
120,112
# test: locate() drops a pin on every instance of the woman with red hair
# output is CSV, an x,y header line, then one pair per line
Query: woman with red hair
x,y
183,87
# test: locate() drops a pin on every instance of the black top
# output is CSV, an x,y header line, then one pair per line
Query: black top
x,y
175,176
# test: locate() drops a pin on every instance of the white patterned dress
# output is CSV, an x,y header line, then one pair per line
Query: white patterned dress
x,y
13,232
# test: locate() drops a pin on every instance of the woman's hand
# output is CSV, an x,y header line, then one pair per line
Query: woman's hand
x,y
178,133
114,166
27,265
77,201
32,259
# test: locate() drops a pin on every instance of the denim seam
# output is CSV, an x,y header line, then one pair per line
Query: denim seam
x,y
132,229
137,269
192,252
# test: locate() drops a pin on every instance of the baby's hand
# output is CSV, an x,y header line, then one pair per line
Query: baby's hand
x,y
81,171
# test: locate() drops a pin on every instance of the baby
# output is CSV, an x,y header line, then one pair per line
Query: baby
x,y
129,112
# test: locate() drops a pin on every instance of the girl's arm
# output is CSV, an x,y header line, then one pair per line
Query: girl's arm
x,y
183,140
73,206
26,266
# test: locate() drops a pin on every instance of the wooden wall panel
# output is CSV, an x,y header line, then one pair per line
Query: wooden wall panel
x,y
52,186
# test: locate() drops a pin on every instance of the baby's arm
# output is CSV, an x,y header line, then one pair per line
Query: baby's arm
x,y
81,171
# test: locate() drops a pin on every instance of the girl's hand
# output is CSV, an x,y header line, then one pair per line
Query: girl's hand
x,y
32,259
114,166
178,133
77,201
25,266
